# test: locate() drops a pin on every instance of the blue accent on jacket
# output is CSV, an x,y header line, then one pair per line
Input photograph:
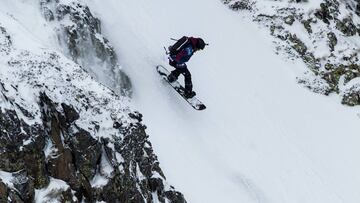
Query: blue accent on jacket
x,y
184,55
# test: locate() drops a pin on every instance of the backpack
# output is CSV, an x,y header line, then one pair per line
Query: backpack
x,y
179,45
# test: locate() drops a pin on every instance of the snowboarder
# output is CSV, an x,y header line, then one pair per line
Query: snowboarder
x,y
179,54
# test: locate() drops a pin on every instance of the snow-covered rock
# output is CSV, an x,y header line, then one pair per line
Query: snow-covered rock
x,y
79,34
64,137
324,34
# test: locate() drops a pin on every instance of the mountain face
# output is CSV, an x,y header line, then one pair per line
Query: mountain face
x,y
64,136
324,34
69,131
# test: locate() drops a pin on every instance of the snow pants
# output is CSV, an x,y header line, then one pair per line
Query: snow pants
x,y
181,69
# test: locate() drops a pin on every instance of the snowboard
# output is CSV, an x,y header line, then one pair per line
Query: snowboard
x,y
194,102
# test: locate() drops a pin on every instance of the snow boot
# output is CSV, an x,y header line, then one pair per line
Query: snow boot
x,y
171,78
189,94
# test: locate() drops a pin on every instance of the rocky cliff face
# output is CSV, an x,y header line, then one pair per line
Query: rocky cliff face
x,y
324,34
79,34
63,136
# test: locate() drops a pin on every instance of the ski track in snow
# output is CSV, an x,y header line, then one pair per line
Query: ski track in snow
x,y
262,138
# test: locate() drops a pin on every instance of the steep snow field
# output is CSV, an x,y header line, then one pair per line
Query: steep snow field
x,y
263,138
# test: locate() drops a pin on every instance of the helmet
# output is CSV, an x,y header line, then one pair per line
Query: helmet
x,y
200,43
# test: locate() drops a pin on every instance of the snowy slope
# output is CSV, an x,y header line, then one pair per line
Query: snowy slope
x,y
263,138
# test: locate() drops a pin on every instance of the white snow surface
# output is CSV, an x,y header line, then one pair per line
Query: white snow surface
x,y
48,194
7,178
262,138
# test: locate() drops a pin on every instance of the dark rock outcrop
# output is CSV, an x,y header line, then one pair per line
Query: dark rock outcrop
x,y
239,5
5,41
75,158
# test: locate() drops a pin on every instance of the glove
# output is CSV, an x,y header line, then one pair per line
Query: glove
x,y
172,63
